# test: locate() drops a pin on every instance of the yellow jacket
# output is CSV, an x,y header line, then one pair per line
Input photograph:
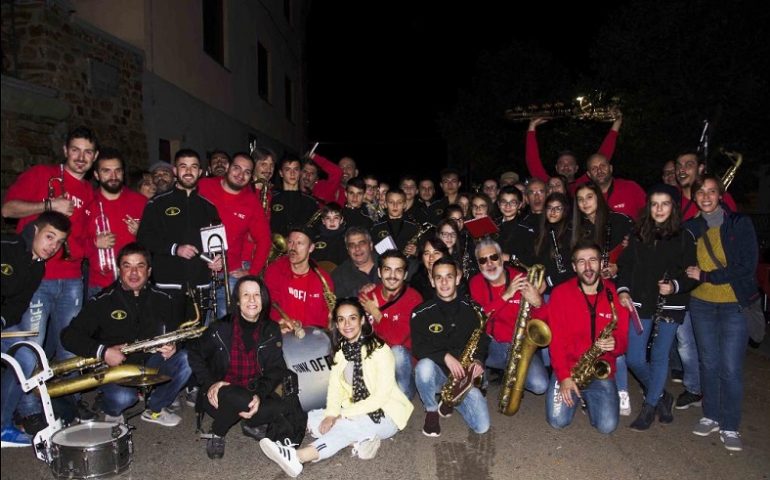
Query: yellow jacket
x,y
379,372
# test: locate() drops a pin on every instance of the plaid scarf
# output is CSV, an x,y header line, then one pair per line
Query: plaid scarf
x,y
244,364
352,352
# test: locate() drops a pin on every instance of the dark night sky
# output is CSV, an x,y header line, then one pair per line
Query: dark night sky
x,y
379,73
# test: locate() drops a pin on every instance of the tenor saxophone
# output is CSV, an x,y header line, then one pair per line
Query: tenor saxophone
x,y
589,366
454,390
528,337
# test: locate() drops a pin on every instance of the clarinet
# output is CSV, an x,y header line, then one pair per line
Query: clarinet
x,y
557,254
658,316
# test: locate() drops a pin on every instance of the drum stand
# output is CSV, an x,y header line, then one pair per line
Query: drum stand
x,y
42,440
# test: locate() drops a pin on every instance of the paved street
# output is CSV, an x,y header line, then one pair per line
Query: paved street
x,y
522,447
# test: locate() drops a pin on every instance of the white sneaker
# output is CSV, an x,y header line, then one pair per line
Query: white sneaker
x,y
625,403
164,417
283,454
190,396
366,449
116,419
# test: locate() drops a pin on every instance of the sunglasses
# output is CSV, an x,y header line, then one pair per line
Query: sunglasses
x,y
493,258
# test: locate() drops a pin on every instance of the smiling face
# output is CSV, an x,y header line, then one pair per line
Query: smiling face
x,y
445,280
134,272
264,168
687,170
239,173
392,273
567,165
79,154
707,197
188,171
448,235
490,263
349,322
429,256
218,165
109,174
250,300
554,211
359,249
586,264
508,205
587,202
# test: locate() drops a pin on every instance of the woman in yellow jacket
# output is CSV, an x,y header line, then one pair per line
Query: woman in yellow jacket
x,y
363,404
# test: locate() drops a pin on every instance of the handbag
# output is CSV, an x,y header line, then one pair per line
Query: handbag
x,y
755,317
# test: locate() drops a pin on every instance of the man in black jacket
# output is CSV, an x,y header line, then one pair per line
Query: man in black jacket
x,y
441,329
239,363
170,230
23,266
129,310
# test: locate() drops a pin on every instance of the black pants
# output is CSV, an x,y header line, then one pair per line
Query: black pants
x,y
273,411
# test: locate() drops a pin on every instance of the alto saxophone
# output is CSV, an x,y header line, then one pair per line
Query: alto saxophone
x,y
454,390
528,337
329,297
589,367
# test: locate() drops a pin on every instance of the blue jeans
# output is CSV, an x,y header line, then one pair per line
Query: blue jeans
x,y
404,373
722,335
117,398
601,398
651,375
61,301
688,353
429,379
537,376
621,373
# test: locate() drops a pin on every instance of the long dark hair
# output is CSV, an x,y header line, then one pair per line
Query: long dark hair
x,y
580,222
369,340
544,234
648,231
264,294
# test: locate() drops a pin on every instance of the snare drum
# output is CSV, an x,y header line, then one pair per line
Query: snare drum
x,y
310,358
91,450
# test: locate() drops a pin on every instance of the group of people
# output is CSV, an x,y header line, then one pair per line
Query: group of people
x,y
392,275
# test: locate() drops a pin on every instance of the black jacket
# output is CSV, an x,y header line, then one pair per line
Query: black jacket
x,y
171,219
400,229
19,276
209,356
356,217
330,246
547,258
290,208
517,239
642,265
440,327
348,279
116,316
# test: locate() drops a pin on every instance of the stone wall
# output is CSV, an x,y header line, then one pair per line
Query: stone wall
x,y
59,73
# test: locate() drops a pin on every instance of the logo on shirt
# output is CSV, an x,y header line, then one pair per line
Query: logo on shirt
x,y
119,314
277,207
435,328
320,245
382,234
6,269
173,211
241,216
298,294
439,212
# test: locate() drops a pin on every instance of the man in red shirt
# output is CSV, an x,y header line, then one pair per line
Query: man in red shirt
x,y
113,219
499,289
326,190
241,216
390,306
296,286
60,188
623,196
689,166
578,312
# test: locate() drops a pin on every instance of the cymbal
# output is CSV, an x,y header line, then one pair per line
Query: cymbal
x,y
144,380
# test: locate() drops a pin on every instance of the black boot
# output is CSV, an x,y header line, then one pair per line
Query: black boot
x,y
645,418
663,408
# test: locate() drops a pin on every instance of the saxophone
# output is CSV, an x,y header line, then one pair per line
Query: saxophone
x,y
454,390
528,337
737,159
329,297
263,191
422,230
589,367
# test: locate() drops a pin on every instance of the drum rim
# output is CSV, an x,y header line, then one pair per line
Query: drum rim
x,y
124,432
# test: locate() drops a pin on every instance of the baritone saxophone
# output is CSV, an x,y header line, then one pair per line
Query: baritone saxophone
x,y
527,338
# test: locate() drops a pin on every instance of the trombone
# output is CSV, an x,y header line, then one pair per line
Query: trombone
x,y
216,244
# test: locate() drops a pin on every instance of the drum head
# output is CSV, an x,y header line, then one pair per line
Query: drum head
x,y
87,434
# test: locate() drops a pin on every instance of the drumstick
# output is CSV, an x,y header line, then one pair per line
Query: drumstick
x,y
20,334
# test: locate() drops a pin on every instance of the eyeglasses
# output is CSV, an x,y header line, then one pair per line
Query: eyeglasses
x,y
447,234
555,208
512,203
492,258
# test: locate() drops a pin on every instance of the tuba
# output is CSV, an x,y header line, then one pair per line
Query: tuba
x,y
454,390
527,338
589,366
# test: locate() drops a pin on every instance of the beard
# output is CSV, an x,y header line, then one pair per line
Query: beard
x,y
112,187
493,275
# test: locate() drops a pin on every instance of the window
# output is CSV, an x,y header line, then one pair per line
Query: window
x,y
214,30
263,72
288,88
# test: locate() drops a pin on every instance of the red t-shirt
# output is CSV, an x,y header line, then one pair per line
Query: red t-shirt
x,y
242,215
393,327
129,203
32,186
626,197
503,314
300,296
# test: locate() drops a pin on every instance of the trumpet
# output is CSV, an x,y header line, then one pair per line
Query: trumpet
x,y
581,108
216,244
107,261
